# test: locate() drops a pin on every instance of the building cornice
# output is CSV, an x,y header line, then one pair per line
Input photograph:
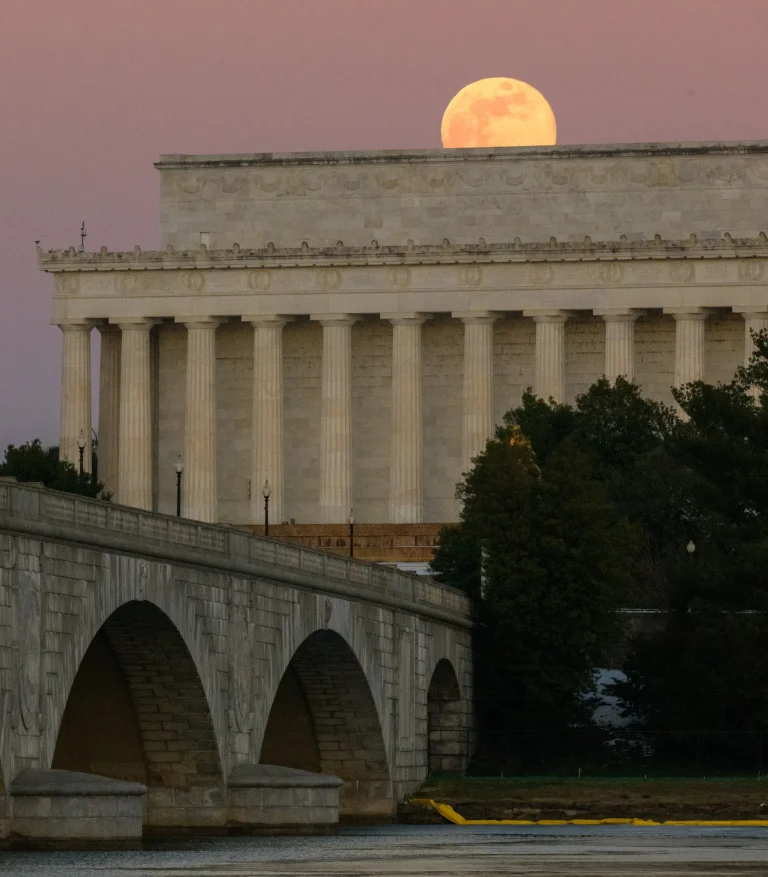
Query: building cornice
x,y
459,156
425,254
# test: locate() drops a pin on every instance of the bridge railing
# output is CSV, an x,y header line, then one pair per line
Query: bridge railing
x,y
40,511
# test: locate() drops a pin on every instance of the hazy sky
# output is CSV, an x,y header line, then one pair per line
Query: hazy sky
x,y
92,91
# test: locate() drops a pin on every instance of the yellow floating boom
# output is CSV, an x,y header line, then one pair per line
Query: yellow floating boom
x,y
447,812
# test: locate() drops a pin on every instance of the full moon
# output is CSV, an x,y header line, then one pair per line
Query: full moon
x,y
498,112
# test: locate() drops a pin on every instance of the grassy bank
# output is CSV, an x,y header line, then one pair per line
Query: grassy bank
x,y
536,798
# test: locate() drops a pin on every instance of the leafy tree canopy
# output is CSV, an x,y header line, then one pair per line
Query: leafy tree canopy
x,y
32,461
574,511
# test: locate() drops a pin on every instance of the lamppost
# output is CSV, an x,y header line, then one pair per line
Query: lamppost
x,y
691,548
179,467
265,492
351,522
81,446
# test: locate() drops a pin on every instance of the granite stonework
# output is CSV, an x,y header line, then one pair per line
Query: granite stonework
x,y
168,653
269,798
464,194
61,806
408,299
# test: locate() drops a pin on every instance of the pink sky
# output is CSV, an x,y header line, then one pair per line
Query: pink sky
x,y
92,91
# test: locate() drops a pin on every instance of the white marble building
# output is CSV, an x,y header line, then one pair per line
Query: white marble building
x,y
350,326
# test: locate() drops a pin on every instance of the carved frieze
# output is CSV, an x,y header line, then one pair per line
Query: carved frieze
x,y
557,173
67,284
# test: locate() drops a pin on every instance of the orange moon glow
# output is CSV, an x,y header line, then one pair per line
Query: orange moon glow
x,y
498,112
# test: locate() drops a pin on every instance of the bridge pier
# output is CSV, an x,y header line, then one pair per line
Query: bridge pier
x,y
56,807
265,798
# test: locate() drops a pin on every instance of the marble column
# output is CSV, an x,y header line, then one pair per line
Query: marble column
x,y
689,343
477,388
75,391
336,418
198,486
134,478
109,407
619,342
405,493
755,320
549,375
267,460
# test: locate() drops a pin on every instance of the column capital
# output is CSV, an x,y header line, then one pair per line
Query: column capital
x,y
75,324
548,315
688,313
267,321
411,318
335,319
194,322
751,312
134,322
619,315
479,317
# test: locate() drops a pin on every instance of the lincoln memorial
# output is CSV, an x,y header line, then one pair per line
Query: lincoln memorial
x,y
349,326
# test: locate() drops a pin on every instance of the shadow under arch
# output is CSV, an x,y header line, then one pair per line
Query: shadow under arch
x,y
448,742
323,718
137,711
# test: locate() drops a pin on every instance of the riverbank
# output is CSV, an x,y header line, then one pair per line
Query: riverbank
x,y
536,798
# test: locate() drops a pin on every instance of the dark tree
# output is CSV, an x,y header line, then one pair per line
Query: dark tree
x,y
34,462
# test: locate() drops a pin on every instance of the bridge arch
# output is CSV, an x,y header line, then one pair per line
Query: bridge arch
x,y
137,710
324,717
448,742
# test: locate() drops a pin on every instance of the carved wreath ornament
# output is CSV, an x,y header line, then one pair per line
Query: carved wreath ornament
x,y
259,281
750,270
682,272
541,275
400,277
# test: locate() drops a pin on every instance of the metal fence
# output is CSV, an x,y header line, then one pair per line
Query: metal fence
x,y
604,753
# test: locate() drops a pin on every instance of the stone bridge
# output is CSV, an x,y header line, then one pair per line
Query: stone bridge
x,y
158,650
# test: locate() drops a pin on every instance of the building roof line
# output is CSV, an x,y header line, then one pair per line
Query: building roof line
x,y
552,250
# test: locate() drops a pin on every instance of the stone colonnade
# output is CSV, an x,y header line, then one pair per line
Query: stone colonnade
x,y
125,430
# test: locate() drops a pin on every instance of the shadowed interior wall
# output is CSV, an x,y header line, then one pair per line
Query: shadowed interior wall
x,y
99,732
346,725
137,696
290,739
446,721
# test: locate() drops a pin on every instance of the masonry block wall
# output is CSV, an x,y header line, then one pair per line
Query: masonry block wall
x,y
193,629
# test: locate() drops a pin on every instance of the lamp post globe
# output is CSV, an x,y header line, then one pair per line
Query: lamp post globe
x,y
690,547
179,467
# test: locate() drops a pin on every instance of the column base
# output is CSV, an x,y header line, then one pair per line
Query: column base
x,y
65,809
269,799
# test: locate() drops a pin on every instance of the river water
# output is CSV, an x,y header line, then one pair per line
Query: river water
x,y
425,850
